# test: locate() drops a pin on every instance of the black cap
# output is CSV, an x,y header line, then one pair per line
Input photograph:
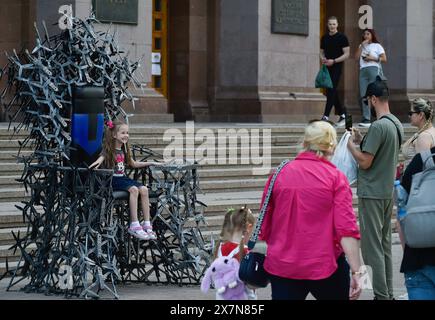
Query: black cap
x,y
378,88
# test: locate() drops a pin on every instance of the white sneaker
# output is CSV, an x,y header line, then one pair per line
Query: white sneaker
x,y
138,232
403,297
150,232
341,122
365,124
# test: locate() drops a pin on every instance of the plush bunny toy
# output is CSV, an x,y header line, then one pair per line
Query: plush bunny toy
x,y
224,273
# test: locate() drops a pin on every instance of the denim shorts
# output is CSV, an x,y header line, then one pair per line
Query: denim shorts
x,y
124,183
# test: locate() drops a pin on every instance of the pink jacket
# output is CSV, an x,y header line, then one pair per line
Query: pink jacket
x,y
310,210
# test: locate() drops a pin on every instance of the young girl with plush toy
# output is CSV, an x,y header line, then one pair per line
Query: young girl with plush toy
x,y
223,273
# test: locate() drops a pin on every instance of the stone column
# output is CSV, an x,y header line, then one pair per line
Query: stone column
x,y
188,60
198,63
288,65
234,90
403,28
419,45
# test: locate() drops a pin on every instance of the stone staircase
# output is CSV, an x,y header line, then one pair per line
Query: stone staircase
x,y
232,184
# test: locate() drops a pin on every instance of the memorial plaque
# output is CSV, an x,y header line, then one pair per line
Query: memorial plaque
x,y
116,11
290,16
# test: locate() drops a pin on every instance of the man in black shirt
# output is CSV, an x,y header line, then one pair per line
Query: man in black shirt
x,y
418,264
334,49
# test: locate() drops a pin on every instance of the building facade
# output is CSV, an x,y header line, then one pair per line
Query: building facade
x,y
244,60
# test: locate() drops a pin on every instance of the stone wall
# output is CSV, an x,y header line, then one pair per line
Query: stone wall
x,y
287,60
235,80
390,22
136,39
433,40
419,45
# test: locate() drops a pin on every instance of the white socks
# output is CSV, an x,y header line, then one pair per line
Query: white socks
x,y
135,224
147,223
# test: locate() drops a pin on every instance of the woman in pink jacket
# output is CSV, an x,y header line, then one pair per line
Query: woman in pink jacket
x,y
310,225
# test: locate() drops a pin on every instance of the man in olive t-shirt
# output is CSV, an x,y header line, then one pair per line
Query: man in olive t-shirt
x,y
377,167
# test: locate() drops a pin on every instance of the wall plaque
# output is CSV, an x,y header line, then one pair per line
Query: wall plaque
x,y
290,16
116,11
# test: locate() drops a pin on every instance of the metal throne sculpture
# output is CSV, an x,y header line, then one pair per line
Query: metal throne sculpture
x,y
62,92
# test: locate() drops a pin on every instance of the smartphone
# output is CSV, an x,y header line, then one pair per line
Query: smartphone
x,y
348,122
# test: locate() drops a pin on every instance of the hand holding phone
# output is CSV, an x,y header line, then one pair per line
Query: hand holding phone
x,y
349,123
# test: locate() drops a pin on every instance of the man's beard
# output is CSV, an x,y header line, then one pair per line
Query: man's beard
x,y
373,112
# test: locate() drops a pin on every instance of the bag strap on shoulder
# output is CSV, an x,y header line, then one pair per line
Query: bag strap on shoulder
x,y
397,128
254,236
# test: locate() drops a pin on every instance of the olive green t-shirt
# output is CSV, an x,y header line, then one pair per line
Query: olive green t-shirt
x,y
382,141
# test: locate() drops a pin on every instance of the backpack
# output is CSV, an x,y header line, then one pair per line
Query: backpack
x,y
418,225
224,274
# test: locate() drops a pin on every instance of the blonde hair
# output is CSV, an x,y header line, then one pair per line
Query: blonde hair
x,y
320,137
234,221
425,106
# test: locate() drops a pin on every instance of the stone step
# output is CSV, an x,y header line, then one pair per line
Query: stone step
x,y
205,174
11,264
218,203
6,237
154,139
233,185
9,181
12,255
7,156
13,194
10,168
12,145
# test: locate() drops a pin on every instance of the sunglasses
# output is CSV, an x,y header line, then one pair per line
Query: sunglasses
x,y
366,100
410,113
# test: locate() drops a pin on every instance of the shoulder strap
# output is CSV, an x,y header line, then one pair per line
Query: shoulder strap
x,y
234,252
231,254
397,128
427,158
256,232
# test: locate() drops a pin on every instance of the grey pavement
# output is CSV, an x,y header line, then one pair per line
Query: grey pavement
x,y
141,291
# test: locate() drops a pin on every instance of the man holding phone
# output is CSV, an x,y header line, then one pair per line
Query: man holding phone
x,y
377,162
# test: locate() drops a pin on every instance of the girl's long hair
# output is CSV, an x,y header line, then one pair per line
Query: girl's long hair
x,y
235,221
109,146
374,37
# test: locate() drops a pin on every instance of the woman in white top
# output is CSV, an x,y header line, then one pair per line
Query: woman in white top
x,y
370,54
421,116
